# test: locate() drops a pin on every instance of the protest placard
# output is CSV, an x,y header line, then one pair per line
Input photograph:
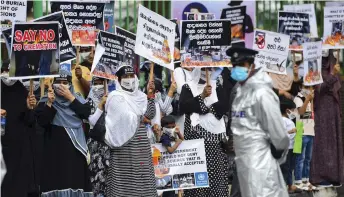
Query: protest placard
x,y
204,43
176,54
66,66
35,50
308,9
12,11
273,51
312,56
180,9
155,38
237,17
185,168
67,51
130,58
333,28
296,25
112,58
82,20
109,11
7,37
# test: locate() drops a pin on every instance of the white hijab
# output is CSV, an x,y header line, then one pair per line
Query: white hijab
x,y
207,121
124,111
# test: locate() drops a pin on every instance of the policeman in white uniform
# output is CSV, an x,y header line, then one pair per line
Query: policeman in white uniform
x,y
260,142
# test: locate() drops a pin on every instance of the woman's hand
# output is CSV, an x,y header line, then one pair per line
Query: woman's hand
x,y
102,102
336,69
64,91
206,91
31,101
51,97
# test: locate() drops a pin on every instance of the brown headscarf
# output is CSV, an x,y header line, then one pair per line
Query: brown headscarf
x,y
281,82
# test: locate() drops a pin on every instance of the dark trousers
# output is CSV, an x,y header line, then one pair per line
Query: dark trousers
x,y
235,190
288,167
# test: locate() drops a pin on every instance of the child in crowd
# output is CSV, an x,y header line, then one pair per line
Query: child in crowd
x,y
169,134
287,109
303,102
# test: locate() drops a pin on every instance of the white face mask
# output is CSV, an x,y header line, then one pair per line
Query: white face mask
x,y
291,115
128,83
84,55
36,85
6,80
305,92
325,53
56,86
169,131
98,88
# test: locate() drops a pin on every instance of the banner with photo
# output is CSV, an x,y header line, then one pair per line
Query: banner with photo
x,y
185,168
273,51
237,17
176,54
308,9
155,38
333,28
35,50
82,20
297,26
7,37
181,8
12,11
204,43
67,51
109,12
112,58
312,56
130,58
200,16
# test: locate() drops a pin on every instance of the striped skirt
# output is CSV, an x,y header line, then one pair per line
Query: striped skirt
x,y
131,171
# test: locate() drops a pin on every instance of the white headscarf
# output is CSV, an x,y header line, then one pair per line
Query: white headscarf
x,y
207,121
124,111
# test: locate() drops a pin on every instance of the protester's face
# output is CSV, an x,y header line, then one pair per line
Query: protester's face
x,y
170,126
98,82
194,10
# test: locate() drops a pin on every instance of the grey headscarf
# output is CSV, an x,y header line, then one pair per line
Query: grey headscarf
x,y
67,118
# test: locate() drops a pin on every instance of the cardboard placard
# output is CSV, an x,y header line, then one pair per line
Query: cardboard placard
x,y
312,57
12,11
237,17
273,51
297,26
67,51
112,58
204,43
130,58
308,9
155,38
333,37
82,20
186,168
35,50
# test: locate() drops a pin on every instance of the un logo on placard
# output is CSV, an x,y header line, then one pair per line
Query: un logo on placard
x,y
201,177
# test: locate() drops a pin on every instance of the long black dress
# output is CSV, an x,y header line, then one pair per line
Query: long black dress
x,y
17,147
63,166
217,161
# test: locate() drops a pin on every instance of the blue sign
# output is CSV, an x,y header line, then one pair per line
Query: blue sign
x,y
201,179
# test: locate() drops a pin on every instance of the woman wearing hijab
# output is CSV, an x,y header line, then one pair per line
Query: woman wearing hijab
x,y
328,161
99,151
131,169
65,157
204,112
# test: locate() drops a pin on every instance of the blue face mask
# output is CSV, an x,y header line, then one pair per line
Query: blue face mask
x,y
239,73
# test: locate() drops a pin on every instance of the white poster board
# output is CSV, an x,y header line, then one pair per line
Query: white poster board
x,y
12,11
155,38
273,51
333,37
312,55
308,9
186,168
